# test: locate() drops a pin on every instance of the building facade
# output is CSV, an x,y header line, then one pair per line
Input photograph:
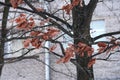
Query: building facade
x,y
107,17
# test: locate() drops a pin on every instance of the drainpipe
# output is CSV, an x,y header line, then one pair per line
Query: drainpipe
x,y
47,63
47,60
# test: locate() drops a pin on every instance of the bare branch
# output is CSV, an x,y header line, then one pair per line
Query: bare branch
x,y
106,34
20,57
39,13
54,69
107,58
14,51
13,59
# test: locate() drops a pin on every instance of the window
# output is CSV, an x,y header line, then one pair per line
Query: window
x,y
97,28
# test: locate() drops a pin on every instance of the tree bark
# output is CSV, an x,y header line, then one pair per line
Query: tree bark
x,y
3,35
81,28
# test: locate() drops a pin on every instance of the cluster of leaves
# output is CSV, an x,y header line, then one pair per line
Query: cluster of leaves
x,y
23,23
108,47
38,36
115,43
69,52
69,7
102,46
15,4
83,50
79,49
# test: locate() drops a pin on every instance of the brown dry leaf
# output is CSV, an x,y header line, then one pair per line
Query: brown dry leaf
x,y
45,36
69,7
35,33
22,26
52,48
31,25
26,43
91,62
101,49
15,3
52,32
36,43
82,48
20,20
75,2
102,44
69,52
89,50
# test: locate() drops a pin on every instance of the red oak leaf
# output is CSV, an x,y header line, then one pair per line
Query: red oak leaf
x,y
91,62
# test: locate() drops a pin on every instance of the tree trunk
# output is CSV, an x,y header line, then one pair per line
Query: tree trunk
x,y
3,35
1,58
81,28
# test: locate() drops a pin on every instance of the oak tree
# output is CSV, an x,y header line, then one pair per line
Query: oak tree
x,y
73,21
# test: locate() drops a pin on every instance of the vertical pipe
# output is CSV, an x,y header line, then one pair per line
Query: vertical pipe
x,y
47,63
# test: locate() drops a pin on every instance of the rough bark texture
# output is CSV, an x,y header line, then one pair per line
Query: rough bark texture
x,y
81,26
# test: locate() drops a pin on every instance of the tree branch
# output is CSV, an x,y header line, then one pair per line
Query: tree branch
x,y
106,59
20,57
14,51
50,15
106,34
39,13
13,59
